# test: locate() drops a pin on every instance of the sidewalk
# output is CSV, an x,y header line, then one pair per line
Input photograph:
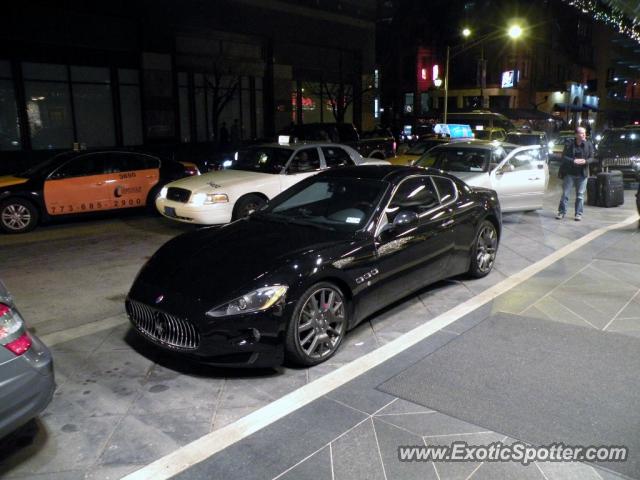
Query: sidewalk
x,y
354,431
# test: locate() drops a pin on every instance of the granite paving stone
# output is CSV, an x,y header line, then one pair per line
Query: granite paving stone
x,y
316,467
356,455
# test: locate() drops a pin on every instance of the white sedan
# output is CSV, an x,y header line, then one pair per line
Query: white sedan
x,y
257,174
519,175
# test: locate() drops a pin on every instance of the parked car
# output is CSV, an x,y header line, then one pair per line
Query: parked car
x,y
378,143
79,183
619,149
492,134
26,369
481,119
257,175
530,138
413,153
558,142
291,279
520,175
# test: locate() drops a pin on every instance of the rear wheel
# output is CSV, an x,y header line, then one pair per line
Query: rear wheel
x,y
483,251
18,215
248,204
318,325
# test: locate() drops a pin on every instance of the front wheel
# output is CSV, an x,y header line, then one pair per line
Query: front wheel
x,y
246,205
318,325
483,251
18,215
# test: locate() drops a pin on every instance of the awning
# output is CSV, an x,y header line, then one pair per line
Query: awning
x,y
562,107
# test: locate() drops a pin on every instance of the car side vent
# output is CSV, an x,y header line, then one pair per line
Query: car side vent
x,y
162,328
178,194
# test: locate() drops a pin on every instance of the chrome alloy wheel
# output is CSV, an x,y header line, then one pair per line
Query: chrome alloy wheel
x,y
486,247
16,216
321,323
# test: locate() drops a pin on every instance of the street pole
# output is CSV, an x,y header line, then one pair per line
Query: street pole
x,y
446,86
483,75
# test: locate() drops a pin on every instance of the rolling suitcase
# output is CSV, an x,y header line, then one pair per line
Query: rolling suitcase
x,y
610,189
592,191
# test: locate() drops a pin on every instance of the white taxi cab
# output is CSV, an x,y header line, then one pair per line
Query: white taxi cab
x,y
257,174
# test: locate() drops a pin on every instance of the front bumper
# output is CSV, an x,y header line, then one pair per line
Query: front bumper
x,y
251,340
215,214
27,386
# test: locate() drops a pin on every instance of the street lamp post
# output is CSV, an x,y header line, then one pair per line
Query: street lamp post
x,y
515,31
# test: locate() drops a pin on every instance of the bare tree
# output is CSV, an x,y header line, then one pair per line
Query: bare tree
x,y
221,84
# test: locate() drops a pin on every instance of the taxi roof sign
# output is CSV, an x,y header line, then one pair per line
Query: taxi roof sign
x,y
453,130
284,139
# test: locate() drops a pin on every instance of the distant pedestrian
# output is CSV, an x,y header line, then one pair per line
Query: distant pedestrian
x,y
223,138
236,134
574,172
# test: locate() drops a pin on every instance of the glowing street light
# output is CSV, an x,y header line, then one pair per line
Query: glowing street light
x,y
514,31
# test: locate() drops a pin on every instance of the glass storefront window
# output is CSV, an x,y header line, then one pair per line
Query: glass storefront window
x,y
45,71
49,113
94,114
131,112
90,74
9,126
185,115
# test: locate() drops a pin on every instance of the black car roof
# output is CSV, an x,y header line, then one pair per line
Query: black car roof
x,y
389,173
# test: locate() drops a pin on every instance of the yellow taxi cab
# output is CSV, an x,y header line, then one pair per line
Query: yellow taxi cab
x,y
82,182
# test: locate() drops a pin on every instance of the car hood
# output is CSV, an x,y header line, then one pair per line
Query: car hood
x,y
475,179
215,264
224,180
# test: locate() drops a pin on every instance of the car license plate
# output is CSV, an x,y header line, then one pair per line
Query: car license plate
x,y
170,212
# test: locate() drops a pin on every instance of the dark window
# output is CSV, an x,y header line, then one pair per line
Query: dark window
x,y
446,189
336,157
82,166
415,194
306,160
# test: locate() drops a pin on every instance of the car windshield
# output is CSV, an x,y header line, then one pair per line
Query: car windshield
x,y
483,134
626,139
467,159
420,148
520,139
262,159
342,203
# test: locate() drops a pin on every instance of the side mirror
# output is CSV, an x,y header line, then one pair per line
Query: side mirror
x,y
405,218
505,168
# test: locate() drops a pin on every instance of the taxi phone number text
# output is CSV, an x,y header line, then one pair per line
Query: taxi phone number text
x,y
86,207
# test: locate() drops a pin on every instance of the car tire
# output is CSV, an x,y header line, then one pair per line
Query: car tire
x,y
323,328
483,251
247,204
18,215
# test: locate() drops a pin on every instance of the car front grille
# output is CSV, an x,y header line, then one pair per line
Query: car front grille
x,y
618,162
178,194
163,328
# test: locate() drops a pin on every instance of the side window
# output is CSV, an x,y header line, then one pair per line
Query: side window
x,y
524,160
304,161
336,157
82,166
498,155
500,136
133,161
416,194
446,188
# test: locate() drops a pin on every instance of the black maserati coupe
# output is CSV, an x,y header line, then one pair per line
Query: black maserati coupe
x,y
294,277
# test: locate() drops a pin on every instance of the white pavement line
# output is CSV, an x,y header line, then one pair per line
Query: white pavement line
x,y
218,440
82,331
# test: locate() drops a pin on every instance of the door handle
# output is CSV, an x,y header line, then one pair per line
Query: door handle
x,y
100,184
536,178
447,223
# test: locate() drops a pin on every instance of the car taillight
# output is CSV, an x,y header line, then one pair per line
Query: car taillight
x,y
394,147
192,171
11,323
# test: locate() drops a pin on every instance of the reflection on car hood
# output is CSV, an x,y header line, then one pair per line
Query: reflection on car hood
x,y
224,179
213,263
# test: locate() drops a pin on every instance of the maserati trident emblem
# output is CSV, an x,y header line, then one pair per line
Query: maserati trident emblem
x,y
158,325
159,299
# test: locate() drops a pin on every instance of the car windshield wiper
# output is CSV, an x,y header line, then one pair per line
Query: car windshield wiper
x,y
301,220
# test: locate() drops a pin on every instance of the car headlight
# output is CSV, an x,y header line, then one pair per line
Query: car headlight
x,y
200,199
163,192
255,301
551,144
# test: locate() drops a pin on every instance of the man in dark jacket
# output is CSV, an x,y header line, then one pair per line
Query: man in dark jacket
x,y
574,171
